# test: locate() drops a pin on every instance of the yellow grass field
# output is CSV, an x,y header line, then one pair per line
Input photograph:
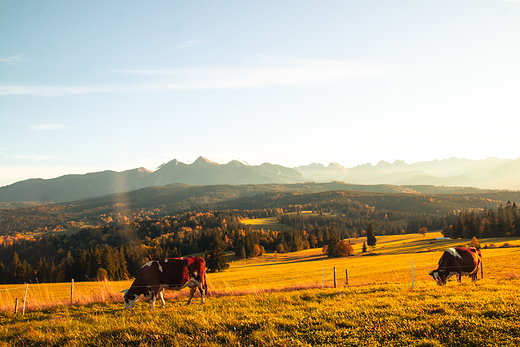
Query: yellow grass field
x,y
389,263
268,223
277,300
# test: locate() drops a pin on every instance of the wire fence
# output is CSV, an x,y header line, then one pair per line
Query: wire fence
x,y
264,277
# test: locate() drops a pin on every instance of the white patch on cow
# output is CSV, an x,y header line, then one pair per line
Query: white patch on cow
x,y
451,274
131,302
150,264
147,264
192,283
453,252
436,277
165,260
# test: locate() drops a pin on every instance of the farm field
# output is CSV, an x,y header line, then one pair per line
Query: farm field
x,y
268,223
279,301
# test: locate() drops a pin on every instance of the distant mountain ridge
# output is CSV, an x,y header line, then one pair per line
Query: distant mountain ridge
x,y
200,172
492,173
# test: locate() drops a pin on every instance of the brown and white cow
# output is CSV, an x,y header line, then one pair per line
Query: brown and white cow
x,y
459,261
171,273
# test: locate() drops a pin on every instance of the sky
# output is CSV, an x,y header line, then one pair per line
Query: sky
x,y
97,85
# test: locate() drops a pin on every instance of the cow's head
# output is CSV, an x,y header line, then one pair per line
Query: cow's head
x,y
439,277
129,299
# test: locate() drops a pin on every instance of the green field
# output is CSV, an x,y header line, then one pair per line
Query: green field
x,y
278,300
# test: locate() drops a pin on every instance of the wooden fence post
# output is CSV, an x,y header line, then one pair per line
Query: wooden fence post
x,y
16,305
335,283
71,290
25,297
346,276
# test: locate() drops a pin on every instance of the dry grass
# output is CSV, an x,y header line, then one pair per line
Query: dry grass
x,y
268,223
390,263
273,301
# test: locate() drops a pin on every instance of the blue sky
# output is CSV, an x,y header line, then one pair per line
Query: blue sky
x,y
90,86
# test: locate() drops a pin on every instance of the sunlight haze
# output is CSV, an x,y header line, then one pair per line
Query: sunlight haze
x,y
93,86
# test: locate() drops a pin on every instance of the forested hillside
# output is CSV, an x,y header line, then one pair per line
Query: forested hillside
x,y
113,236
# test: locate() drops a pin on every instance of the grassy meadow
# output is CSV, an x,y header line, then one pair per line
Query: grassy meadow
x,y
278,300
268,223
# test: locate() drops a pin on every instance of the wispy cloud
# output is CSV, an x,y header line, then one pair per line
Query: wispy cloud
x,y
43,127
35,157
53,90
189,44
13,59
263,72
270,71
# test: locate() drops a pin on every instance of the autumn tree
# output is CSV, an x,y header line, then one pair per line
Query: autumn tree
x,y
474,243
343,249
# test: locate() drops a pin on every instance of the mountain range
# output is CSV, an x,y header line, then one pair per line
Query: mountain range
x,y
491,173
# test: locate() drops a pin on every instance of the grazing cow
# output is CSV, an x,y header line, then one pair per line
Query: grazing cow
x,y
171,273
459,261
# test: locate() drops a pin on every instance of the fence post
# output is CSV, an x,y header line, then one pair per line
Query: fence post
x,y
346,276
412,274
322,270
71,290
16,305
335,283
25,297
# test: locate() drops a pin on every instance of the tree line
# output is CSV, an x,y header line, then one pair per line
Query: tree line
x,y
504,222
117,251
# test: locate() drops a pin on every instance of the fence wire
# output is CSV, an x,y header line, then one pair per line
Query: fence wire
x,y
236,281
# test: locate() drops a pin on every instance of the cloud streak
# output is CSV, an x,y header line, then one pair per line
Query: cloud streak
x,y
288,72
53,90
266,72
44,127
35,157
189,44
13,59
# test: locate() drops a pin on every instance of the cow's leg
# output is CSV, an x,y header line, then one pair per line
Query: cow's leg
x,y
459,276
153,301
201,295
161,295
202,291
192,291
